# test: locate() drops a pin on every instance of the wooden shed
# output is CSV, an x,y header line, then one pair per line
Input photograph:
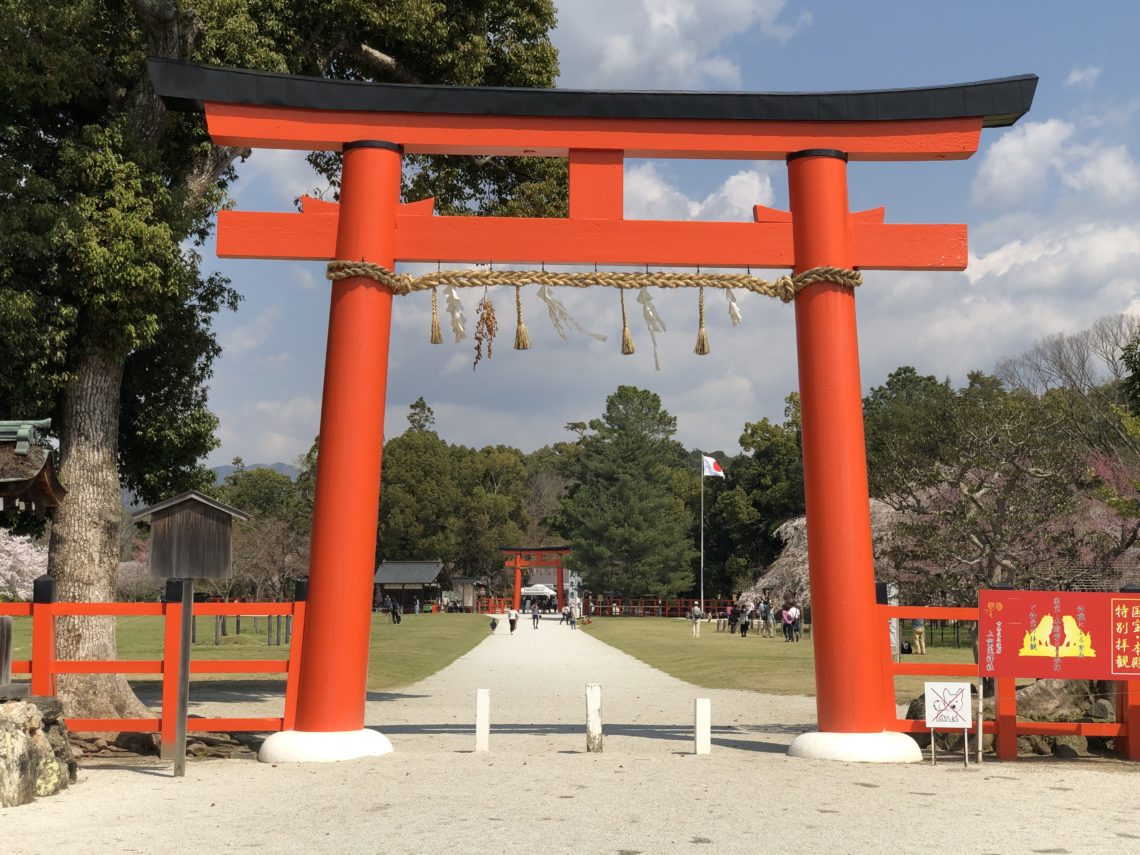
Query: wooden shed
x,y
407,581
190,537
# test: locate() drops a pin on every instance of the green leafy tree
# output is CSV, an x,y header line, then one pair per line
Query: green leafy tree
x,y
763,489
271,549
625,513
492,512
419,495
905,426
997,504
106,195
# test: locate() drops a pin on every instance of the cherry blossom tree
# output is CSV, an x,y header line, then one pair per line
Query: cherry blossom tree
x,y
21,561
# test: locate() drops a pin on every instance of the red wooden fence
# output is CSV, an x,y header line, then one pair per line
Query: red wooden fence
x,y
1006,727
44,666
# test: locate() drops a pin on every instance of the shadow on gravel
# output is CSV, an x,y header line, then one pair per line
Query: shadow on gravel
x,y
391,696
240,691
149,769
217,691
735,737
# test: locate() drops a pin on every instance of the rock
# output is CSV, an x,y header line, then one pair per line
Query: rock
x,y
1032,743
30,765
1070,746
100,744
137,743
1103,710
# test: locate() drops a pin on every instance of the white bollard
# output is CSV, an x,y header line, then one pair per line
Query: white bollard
x,y
593,718
483,720
702,710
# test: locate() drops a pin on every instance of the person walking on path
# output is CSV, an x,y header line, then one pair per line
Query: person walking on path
x,y
395,612
918,625
797,618
417,605
695,614
534,615
512,619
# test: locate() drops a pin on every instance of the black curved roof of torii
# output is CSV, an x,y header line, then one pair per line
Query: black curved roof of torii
x,y
186,86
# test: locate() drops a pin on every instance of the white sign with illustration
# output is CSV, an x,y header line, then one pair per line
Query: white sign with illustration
x,y
948,706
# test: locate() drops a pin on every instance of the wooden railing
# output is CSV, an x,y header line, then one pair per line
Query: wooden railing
x,y
44,666
1005,725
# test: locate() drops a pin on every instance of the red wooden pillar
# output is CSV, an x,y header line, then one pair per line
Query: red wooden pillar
x,y
1005,716
518,582
561,583
171,648
334,668
846,631
43,636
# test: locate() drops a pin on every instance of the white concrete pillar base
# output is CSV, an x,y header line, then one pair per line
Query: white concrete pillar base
x,y
885,747
299,746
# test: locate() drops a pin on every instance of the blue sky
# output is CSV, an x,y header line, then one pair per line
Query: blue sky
x,y
1052,206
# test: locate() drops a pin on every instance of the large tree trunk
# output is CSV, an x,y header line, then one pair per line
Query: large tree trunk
x,y
84,550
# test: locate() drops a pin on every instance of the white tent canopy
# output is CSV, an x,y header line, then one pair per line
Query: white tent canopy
x,y
538,591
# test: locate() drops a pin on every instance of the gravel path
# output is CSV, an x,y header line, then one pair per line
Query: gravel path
x,y
538,791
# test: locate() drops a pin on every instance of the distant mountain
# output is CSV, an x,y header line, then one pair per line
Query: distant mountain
x,y
220,472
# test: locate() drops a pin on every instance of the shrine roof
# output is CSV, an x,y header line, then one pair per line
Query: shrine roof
x,y
187,86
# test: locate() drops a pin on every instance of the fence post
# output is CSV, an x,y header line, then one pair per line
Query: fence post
x,y
1127,707
702,715
1005,715
171,637
1130,716
43,636
482,720
593,718
292,677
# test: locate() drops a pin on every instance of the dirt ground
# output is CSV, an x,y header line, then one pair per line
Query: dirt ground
x,y
539,791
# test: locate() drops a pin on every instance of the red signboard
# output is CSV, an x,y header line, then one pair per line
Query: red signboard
x,y
1065,635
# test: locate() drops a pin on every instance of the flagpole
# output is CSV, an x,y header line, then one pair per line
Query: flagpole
x,y
702,533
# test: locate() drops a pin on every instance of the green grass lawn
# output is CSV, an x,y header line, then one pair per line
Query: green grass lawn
x,y
719,660
398,655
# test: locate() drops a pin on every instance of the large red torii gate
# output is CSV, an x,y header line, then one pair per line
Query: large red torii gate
x,y
374,124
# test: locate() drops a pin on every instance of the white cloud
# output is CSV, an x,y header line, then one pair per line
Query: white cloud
x,y
279,175
250,337
1083,77
662,44
650,196
1016,168
302,408
1109,174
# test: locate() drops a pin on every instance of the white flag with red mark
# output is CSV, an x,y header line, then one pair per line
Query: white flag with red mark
x,y
711,467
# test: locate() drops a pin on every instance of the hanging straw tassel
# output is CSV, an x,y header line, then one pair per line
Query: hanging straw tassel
x,y
522,339
626,335
702,347
436,332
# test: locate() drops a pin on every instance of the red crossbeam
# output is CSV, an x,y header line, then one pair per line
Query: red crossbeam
x,y
245,125
312,236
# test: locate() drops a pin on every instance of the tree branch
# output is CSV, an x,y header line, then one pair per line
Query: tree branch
x,y
388,64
